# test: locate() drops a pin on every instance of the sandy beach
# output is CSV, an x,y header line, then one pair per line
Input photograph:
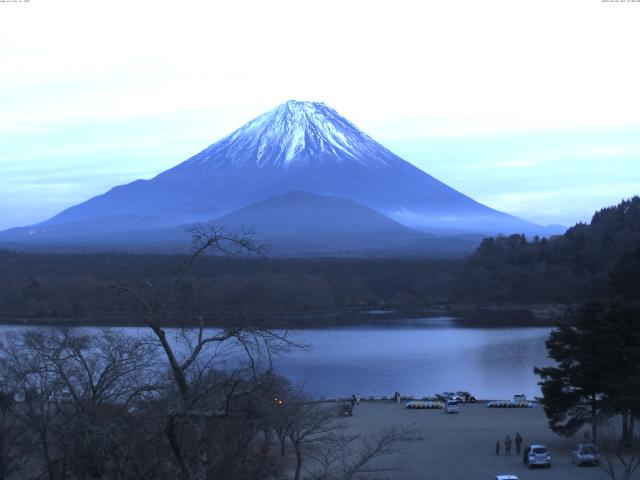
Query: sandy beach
x,y
462,446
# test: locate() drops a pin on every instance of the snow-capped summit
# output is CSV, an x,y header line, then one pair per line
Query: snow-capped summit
x,y
294,133
298,146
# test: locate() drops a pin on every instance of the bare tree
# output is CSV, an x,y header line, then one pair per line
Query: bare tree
x,y
38,392
344,457
10,435
280,411
619,457
185,402
308,423
195,350
75,393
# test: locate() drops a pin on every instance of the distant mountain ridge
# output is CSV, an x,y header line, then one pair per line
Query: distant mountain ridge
x,y
299,222
296,212
297,147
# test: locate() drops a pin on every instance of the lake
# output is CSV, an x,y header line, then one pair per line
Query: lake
x,y
419,357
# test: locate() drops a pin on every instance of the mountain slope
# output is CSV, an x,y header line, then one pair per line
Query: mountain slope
x,y
293,224
301,213
298,146
302,222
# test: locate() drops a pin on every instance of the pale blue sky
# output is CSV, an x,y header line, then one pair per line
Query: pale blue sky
x,y
519,106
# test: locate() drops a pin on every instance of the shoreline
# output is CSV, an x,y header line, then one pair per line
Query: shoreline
x,y
485,316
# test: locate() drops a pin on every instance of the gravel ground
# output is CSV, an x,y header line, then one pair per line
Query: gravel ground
x,y
462,446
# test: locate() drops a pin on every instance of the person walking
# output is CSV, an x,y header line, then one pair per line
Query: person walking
x,y
353,401
518,442
507,446
498,447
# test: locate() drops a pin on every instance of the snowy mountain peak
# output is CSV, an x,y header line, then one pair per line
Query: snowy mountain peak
x,y
302,105
296,147
294,133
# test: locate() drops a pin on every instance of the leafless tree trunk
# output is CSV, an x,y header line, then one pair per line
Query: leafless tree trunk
x,y
619,457
37,390
81,395
190,361
10,434
344,457
73,391
309,423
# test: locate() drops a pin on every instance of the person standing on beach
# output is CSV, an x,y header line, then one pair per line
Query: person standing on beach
x,y
518,442
507,446
498,447
353,401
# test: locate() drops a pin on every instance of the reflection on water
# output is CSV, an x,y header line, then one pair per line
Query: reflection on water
x,y
416,357
434,356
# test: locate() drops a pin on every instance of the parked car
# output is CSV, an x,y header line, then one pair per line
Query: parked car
x,y
537,456
506,477
466,397
450,396
586,454
451,406
345,410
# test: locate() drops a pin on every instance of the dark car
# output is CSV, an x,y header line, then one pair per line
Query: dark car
x,y
466,397
586,454
446,396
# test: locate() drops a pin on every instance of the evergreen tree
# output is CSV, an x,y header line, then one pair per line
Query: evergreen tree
x,y
620,354
574,392
597,352
624,279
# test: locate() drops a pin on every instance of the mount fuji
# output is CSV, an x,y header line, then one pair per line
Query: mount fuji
x,y
297,147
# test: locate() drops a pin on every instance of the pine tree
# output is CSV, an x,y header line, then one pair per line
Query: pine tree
x,y
574,391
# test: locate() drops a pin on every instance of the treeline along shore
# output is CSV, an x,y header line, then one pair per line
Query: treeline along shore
x,y
535,278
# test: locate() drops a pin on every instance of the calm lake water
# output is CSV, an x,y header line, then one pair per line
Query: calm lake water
x,y
436,356
418,357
